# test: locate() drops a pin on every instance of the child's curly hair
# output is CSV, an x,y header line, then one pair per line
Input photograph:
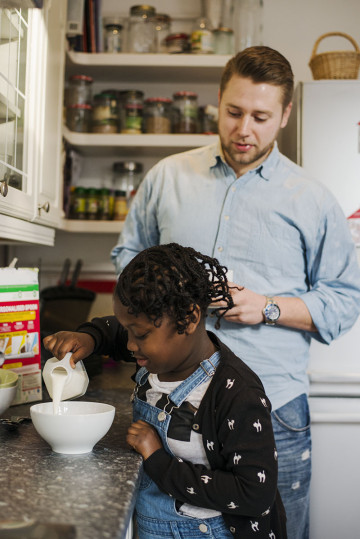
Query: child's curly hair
x,y
172,279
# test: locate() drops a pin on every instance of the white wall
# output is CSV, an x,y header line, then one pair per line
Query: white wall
x,y
291,26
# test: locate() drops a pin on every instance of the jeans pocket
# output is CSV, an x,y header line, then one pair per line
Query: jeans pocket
x,y
294,415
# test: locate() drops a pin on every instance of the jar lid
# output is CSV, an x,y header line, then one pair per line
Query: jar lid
x,y
80,190
120,193
142,9
161,17
158,100
131,93
104,191
172,37
92,191
127,166
114,25
103,95
224,30
113,21
80,106
133,106
82,77
184,94
106,121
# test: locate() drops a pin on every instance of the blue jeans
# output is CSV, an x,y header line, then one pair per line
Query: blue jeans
x,y
291,424
210,528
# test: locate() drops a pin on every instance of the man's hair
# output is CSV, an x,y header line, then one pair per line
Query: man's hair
x,y
261,64
171,280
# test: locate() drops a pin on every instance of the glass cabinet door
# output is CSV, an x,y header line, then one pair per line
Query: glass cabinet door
x,y
13,56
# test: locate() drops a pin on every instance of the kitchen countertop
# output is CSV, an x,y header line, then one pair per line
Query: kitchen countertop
x,y
95,493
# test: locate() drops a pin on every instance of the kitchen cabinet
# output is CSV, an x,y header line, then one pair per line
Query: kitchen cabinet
x,y
156,75
31,61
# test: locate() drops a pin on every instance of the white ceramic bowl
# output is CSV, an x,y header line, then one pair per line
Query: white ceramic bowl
x,y
76,429
8,378
7,395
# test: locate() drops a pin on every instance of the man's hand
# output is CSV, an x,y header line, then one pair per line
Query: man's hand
x,y
143,438
248,306
80,344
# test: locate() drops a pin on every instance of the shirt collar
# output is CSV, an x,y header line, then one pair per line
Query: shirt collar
x,y
265,169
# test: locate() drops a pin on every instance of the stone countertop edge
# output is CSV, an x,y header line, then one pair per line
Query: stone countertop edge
x,y
94,492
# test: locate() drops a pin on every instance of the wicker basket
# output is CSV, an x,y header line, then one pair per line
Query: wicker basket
x,y
336,64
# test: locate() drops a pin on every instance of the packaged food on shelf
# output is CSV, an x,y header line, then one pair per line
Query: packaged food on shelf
x,y
133,119
120,206
113,34
162,30
201,38
185,111
78,210
128,97
79,90
78,117
208,119
104,204
157,115
177,43
141,29
92,204
127,176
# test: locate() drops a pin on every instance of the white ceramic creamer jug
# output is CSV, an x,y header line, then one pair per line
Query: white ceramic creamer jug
x,y
62,381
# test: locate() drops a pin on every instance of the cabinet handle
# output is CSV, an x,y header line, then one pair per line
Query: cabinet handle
x,y
45,207
4,185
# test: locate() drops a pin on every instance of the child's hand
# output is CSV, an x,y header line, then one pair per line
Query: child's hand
x,y
143,438
80,344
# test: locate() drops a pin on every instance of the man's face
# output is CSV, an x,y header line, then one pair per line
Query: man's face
x,y
250,118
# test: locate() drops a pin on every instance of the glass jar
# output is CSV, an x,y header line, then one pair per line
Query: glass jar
x,y
128,97
79,201
162,30
105,126
141,32
177,43
120,206
78,117
133,119
127,176
201,39
223,41
79,90
105,107
92,204
113,38
185,111
104,204
249,23
157,115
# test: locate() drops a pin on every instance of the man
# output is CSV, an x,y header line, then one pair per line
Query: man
x,y
281,233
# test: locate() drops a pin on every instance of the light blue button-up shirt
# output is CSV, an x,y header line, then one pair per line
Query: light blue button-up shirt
x,y
281,233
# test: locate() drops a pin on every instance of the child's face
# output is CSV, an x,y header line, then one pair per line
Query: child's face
x,y
160,349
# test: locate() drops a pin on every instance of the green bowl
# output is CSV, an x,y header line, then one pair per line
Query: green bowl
x,y
8,378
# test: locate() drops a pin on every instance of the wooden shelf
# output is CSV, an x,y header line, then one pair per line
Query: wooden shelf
x,y
93,144
173,68
92,227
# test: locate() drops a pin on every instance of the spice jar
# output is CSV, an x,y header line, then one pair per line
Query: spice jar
x,y
79,90
128,97
104,204
157,115
162,30
105,107
141,32
185,110
92,204
79,201
223,41
177,43
133,119
120,206
105,126
78,117
201,39
113,41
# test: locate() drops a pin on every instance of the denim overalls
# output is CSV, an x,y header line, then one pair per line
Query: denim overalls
x,y
156,514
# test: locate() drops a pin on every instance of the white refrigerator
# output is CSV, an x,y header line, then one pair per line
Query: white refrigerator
x,y
323,137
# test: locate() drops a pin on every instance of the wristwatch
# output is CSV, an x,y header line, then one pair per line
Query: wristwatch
x,y
271,312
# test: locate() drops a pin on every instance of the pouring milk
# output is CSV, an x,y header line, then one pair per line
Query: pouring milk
x,y
63,382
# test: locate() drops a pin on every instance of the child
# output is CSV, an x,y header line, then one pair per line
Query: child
x,y
201,418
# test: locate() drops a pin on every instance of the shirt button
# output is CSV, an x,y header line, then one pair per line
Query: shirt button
x,y
233,189
220,249
162,416
203,528
196,426
232,529
226,217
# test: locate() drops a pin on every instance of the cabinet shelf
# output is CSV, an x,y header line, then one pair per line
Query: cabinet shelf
x,y
92,227
174,68
8,111
93,144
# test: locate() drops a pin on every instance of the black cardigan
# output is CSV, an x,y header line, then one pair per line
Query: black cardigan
x,y
234,419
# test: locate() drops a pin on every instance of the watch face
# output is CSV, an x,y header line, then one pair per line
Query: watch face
x,y
272,312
